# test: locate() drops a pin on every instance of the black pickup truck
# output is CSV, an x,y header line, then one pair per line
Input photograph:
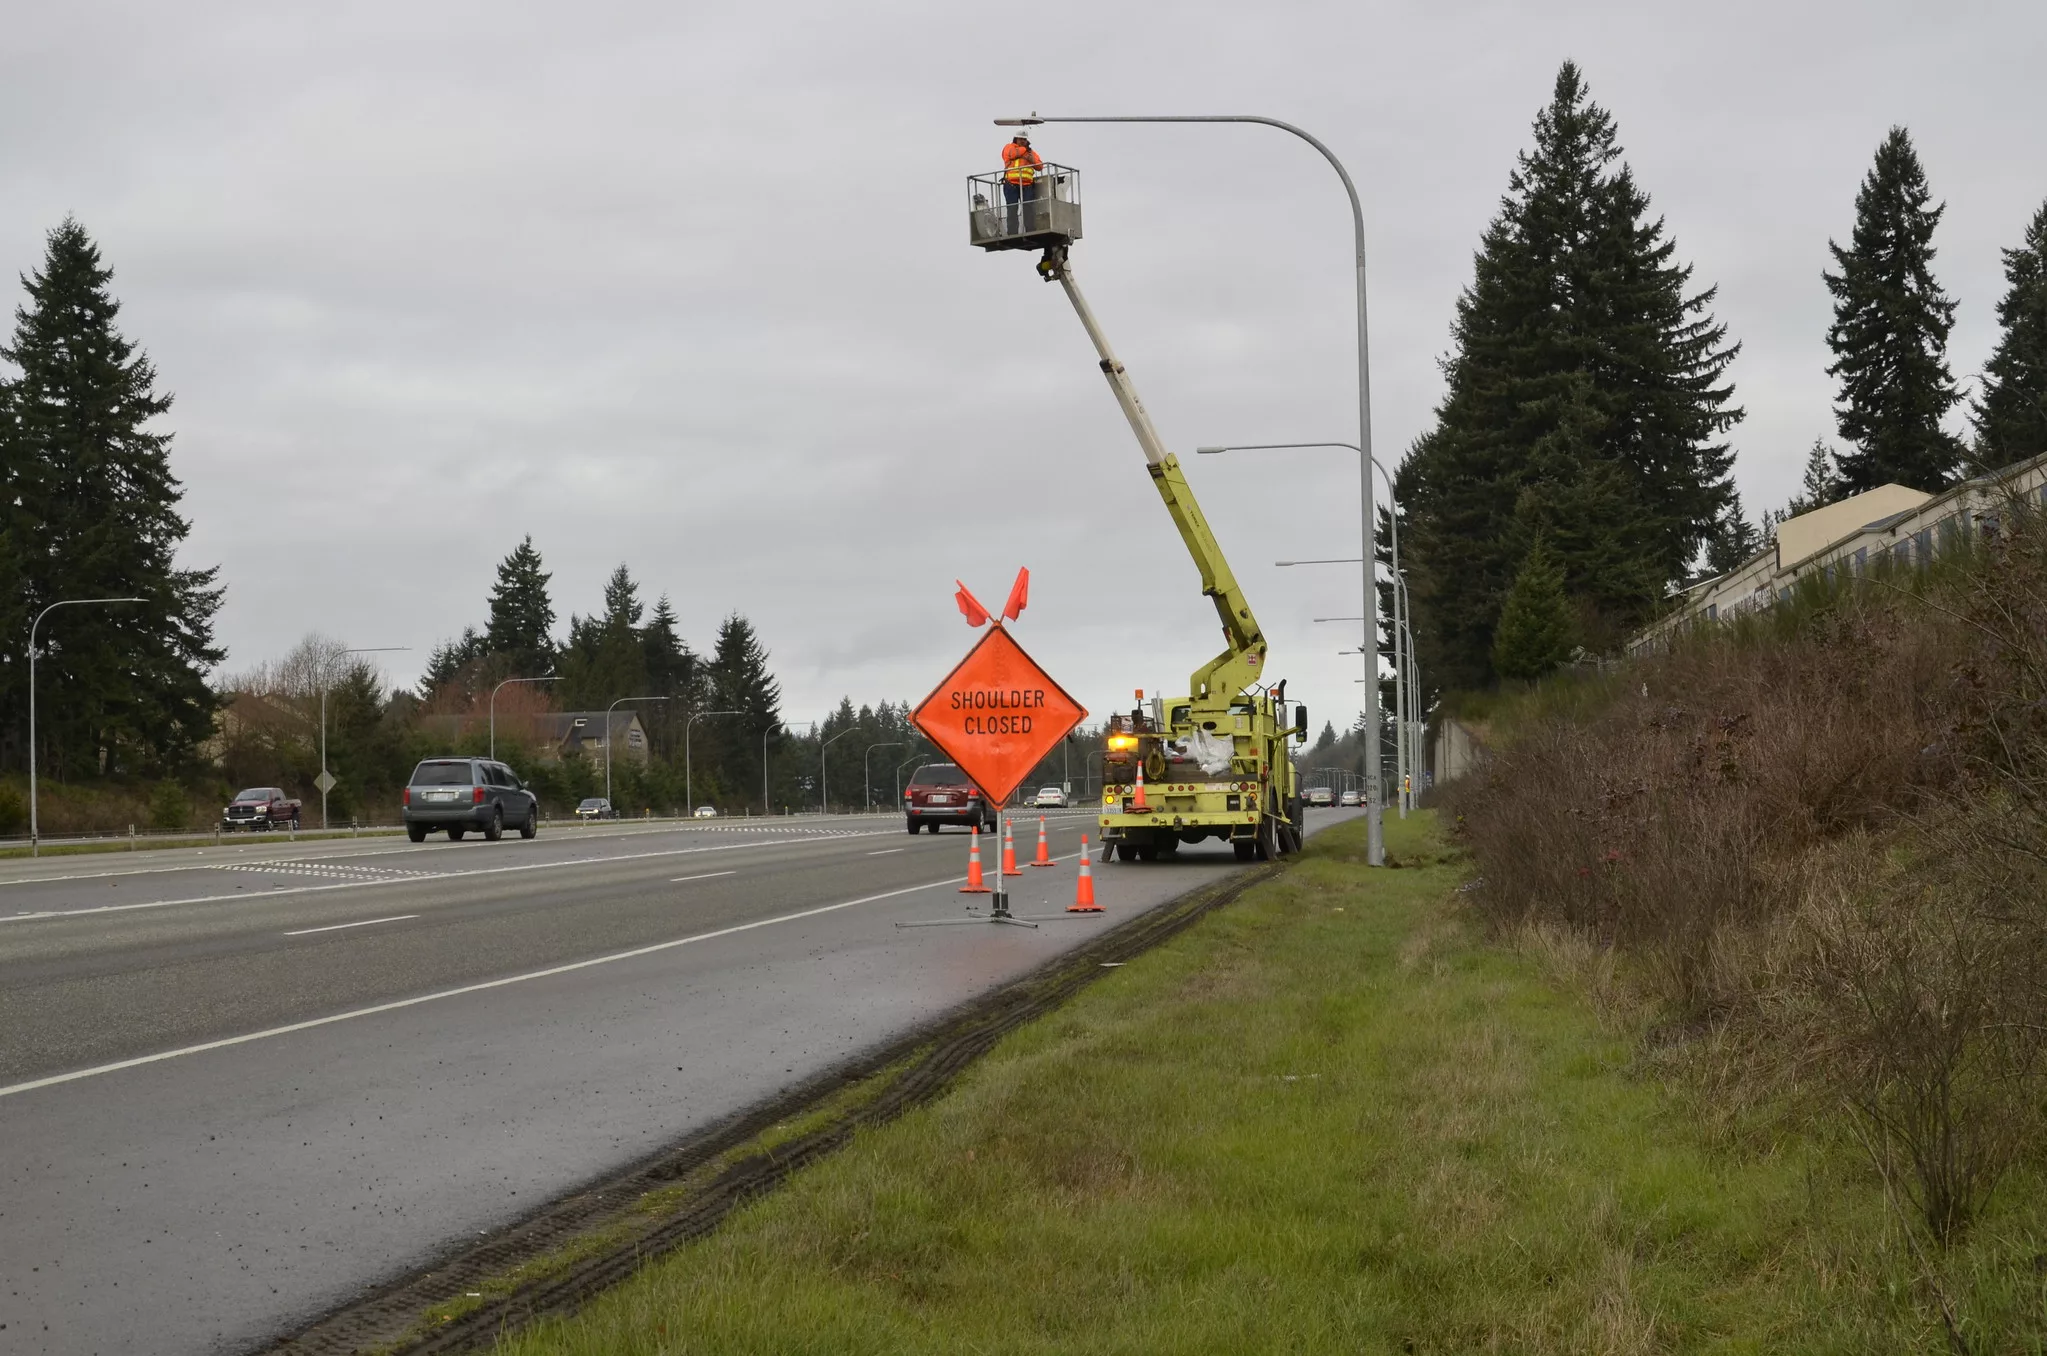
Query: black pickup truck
x,y
260,807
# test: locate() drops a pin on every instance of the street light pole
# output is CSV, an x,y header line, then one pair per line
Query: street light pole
x,y
34,825
913,758
1400,667
607,742
544,678
1375,830
824,799
688,795
866,786
326,680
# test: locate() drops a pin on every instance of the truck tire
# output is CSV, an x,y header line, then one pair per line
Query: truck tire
x,y
1126,852
495,830
455,832
1246,850
914,826
416,832
1268,839
532,824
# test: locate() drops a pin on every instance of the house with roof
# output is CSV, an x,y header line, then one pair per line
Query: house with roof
x,y
1846,538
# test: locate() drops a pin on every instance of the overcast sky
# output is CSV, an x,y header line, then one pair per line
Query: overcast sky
x,y
688,287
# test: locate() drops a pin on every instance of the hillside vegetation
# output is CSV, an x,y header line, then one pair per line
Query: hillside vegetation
x,y
1807,852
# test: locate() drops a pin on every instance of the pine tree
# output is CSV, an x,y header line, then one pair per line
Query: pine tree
x,y
1536,634
2011,413
521,614
1890,332
92,512
741,681
671,669
1585,377
1734,541
604,659
1327,739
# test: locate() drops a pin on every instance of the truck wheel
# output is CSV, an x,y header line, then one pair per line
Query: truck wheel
x,y
914,826
416,832
1246,850
1147,852
495,830
455,832
1268,839
934,826
532,824
1126,852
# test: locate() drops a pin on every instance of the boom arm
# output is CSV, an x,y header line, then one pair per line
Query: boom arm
x,y
1237,668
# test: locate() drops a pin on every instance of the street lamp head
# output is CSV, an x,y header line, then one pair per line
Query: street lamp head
x,y
1032,121
1209,451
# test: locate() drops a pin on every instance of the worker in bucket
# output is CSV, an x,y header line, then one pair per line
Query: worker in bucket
x,y
1020,166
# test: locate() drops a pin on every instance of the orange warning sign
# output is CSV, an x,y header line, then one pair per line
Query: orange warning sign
x,y
997,715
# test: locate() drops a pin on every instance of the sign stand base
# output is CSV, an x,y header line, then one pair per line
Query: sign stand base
x,y
998,903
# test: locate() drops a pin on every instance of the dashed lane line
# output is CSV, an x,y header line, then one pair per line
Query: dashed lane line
x,y
362,923
434,876
117,1066
708,875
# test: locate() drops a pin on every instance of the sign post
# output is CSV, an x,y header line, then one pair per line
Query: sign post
x,y
997,715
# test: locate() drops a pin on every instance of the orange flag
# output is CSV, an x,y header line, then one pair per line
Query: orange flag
x,y
1019,595
970,606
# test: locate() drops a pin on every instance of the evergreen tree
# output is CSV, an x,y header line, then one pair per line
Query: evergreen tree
x,y
1734,541
1327,739
92,512
671,670
2011,413
1586,378
450,676
740,681
521,614
1535,634
604,659
1890,332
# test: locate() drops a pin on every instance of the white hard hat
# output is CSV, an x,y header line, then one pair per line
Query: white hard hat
x,y
1022,134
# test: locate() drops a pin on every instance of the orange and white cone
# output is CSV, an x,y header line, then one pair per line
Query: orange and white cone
x,y
1137,805
1084,888
1009,849
1044,848
973,885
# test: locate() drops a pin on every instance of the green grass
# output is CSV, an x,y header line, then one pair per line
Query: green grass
x,y
1328,1118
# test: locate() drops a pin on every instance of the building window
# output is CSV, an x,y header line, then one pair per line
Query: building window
x,y
1712,612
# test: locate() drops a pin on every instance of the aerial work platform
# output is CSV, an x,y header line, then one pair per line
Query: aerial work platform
x,y
1045,215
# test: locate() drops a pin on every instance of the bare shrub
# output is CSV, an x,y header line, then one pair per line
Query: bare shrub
x,y
1820,838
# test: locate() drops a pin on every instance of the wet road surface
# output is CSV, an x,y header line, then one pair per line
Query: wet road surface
x,y
239,1085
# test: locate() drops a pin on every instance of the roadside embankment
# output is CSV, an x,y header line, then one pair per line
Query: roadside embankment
x,y
1332,1116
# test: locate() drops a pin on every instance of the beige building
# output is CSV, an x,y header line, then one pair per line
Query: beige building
x,y
1908,526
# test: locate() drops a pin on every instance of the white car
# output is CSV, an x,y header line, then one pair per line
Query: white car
x,y
1050,798
1319,795
1350,798
706,812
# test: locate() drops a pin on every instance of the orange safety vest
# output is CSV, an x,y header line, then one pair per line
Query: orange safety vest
x,y
1020,163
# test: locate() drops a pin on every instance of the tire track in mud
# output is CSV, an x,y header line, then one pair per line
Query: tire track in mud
x,y
393,1319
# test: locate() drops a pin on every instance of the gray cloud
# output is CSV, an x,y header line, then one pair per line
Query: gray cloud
x,y
690,289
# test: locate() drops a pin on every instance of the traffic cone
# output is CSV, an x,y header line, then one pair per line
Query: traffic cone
x,y
1084,888
1137,805
1009,849
973,885
1044,848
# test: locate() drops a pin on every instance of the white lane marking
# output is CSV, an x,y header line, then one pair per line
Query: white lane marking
x,y
708,875
429,879
336,927
815,827
118,1065
885,852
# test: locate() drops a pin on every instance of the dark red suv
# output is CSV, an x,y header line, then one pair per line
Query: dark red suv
x,y
941,794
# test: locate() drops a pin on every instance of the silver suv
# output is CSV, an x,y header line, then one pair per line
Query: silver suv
x,y
460,794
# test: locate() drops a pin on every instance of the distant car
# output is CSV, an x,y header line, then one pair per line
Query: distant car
x,y
1350,798
596,807
706,812
460,794
260,807
941,794
1050,798
1319,795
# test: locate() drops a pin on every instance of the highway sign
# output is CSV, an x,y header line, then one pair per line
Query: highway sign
x,y
997,715
325,781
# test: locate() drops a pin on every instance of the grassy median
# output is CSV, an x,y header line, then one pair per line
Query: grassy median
x,y
1330,1117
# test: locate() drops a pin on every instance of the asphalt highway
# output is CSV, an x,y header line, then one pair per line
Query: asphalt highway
x,y
239,1085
